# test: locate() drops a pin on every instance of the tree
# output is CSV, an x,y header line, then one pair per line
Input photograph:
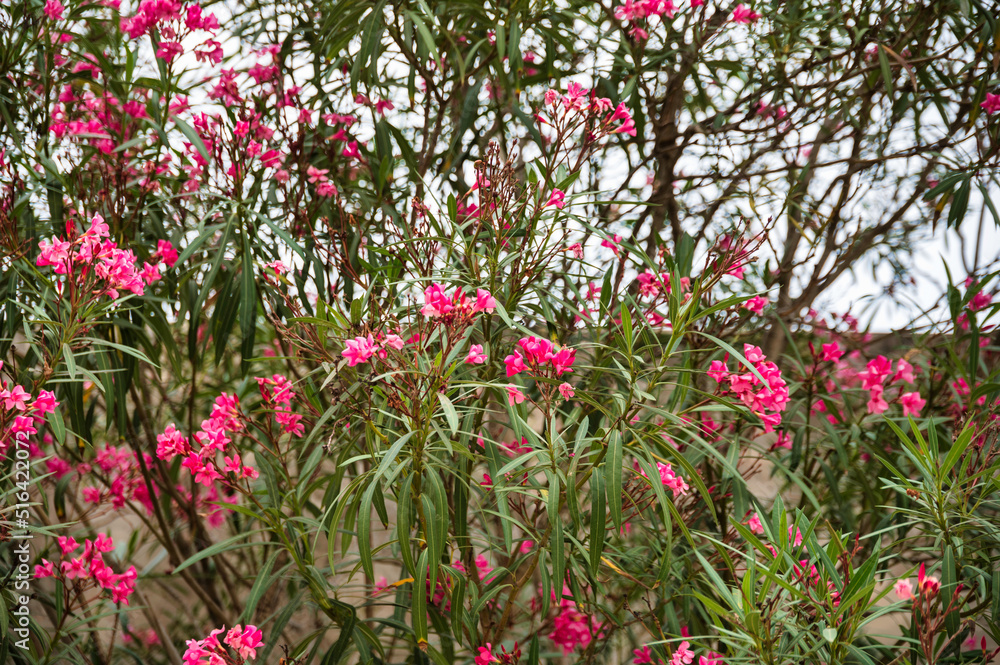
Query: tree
x,y
500,278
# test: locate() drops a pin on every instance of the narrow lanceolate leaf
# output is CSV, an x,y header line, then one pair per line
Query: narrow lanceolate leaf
x,y
597,521
263,582
627,328
418,603
613,478
556,538
404,505
457,607
364,526
449,412
248,306
225,546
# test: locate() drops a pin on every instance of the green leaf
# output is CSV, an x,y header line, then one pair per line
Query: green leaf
x,y
248,306
224,546
364,525
598,515
883,61
627,329
613,478
263,582
418,601
449,411
555,520
192,136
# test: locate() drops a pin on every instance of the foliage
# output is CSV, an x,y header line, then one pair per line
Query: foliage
x,y
442,331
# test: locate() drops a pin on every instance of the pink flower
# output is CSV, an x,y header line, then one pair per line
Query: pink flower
x,y
832,352
783,441
671,480
476,355
642,656
171,444
316,175
756,304
926,583
436,302
711,658
612,244
572,628
683,655
558,199
486,656
47,569
74,568
351,150
484,302
904,372
904,590
912,403
566,390
245,640
991,105
165,252
876,403
515,363
513,449
755,525
743,14
718,371
150,273
169,50
980,300
576,250
54,10
68,545
563,360
359,350
514,396
15,398
104,543
326,189
55,253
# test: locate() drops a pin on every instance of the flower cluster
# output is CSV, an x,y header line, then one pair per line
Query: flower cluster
x,y
578,104
453,311
570,627
638,12
244,643
439,305
170,21
669,478
683,655
767,399
878,371
539,356
927,585
489,654
20,415
97,263
278,394
122,477
89,569
212,440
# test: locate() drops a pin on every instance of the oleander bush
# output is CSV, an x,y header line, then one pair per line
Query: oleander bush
x,y
439,331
